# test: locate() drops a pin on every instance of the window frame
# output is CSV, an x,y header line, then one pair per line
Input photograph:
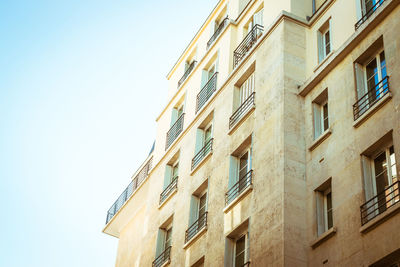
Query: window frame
x,y
326,210
377,57
246,247
386,150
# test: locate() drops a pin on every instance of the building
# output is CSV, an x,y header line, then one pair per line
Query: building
x,y
278,145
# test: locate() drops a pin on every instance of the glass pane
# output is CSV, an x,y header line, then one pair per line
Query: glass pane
x,y
243,165
325,116
175,171
207,134
168,238
372,78
202,205
240,251
393,164
327,43
329,210
381,179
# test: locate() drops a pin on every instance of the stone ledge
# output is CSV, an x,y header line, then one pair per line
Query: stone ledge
x,y
320,139
380,218
195,237
238,198
372,110
322,238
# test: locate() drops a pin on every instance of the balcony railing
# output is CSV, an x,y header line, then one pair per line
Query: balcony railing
x,y
174,131
243,183
207,148
169,189
164,257
247,43
371,98
187,72
196,227
242,110
217,32
247,264
380,203
368,14
206,92
136,182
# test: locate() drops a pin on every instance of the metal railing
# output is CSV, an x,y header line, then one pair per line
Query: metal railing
x,y
380,203
136,182
162,258
168,190
239,187
217,32
207,148
371,98
247,264
174,131
187,72
247,43
196,227
206,92
368,14
242,110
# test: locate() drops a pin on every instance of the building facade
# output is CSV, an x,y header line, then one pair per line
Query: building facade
x,y
279,145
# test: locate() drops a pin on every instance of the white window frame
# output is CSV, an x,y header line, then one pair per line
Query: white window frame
x,y
377,57
248,165
321,41
246,247
386,150
326,211
319,118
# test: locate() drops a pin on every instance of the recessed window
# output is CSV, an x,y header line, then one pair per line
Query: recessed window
x,y
324,207
324,41
204,140
320,114
198,212
164,244
238,247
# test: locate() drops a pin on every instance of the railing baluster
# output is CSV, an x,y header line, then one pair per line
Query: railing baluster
x,y
168,190
162,258
247,43
193,229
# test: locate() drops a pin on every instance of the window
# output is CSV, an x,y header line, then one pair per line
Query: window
x,y
370,6
198,212
164,244
324,207
204,140
321,114
380,179
207,74
170,178
246,89
375,72
324,41
241,251
257,19
238,247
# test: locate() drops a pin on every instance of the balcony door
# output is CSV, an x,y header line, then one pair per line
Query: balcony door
x,y
371,5
202,209
375,72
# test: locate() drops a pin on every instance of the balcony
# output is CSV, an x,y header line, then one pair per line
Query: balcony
x,y
187,72
163,258
169,189
174,131
380,203
243,109
136,182
247,43
196,227
368,13
204,151
217,32
206,92
238,188
371,98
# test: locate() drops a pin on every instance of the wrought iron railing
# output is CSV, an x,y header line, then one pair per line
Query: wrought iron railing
x,y
371,98
187,72
206,92
174,131
136,182
207,148
162,258
242,110
368,14
247,264
169,189
247,43
380,203
196,227
218,32
243,183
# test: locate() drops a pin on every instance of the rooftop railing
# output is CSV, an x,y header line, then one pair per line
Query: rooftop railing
x,y
206,92
187,72
199,224
169,189
242,110
136,182
368,13
247,43
218,31
380,203
371,98
243,183
207,148
164,257
174,131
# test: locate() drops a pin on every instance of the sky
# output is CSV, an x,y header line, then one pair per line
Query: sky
x,y
81,83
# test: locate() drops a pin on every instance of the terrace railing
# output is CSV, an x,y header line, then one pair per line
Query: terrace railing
x,y
199,224
217,32
174,131
203,152
206,92
371,98
243,183
247,43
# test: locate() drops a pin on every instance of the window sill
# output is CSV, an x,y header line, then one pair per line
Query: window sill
x,y
195,237
201,163
324,60
372,110
322,238
320,139
242,119
380,218
168,197
238,198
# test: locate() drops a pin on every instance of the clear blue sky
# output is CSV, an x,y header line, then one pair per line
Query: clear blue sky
x,y
81,83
